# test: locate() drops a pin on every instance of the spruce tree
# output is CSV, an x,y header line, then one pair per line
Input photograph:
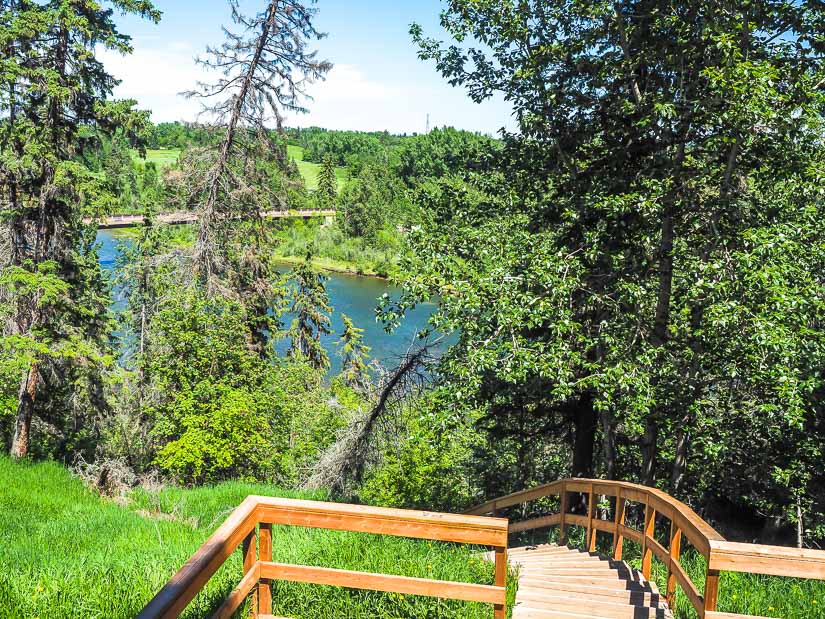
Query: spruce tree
x,y
327,193
54,103
311,308
354,353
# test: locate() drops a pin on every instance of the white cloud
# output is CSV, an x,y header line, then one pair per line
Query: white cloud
x,y
347,99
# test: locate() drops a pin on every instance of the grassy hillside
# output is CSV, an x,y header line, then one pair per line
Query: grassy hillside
x,y
164,158
68,553
309,171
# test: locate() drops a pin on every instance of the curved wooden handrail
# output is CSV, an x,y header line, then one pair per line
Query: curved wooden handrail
x,y
257,514
720,554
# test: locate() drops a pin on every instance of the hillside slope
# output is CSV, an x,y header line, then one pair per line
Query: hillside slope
x,y
68,553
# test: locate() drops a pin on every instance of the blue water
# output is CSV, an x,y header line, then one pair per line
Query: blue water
x,y
355,296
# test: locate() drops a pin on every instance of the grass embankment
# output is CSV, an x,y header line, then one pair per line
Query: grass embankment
x,y
162,157
747,594
332,250
65,552
309,170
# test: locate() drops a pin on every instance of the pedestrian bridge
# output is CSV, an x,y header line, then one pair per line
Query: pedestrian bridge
x,y
189,217
553,581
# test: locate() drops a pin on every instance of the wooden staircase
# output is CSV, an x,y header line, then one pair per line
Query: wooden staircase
x,y
556,582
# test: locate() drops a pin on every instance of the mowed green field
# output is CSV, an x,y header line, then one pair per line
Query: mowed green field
x,y
68,553
309,171
164,158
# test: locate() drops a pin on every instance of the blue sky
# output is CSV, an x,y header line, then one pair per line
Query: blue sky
x,y
378,82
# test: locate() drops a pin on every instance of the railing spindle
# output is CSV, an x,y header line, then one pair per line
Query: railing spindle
x,y
711,590
265,554
500,610
618,537
591,532
563,509
675,554
249,560
650,527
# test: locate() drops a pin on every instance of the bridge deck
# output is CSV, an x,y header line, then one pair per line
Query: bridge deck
x,y
556,582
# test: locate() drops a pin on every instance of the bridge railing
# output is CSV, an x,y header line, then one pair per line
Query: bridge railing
x,y
685,524
250,526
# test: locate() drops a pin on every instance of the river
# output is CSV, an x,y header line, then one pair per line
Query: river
x,y
352,295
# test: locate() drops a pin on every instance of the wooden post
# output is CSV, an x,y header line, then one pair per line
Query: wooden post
x,y
650,525
265,554
618,518
675,553
500,610
711,590
563,509
591,532
249,559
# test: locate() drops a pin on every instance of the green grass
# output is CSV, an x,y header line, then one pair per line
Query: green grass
x,y
68,553
309,171
747,594
163,158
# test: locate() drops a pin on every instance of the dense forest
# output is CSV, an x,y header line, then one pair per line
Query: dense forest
x,y
630,282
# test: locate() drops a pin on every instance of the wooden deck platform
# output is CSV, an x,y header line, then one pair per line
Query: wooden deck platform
x,y
556,582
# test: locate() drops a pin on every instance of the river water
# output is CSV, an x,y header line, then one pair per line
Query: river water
x,y
353,295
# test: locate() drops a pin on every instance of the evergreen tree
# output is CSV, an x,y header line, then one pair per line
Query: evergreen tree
x,y
54,102
311,307
327,193
354,353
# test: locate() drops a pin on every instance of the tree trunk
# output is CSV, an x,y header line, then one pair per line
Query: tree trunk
x,y
609,445
677,476
25,412
585,421
649,451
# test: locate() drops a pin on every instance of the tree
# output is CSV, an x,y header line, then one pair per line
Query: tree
x,y
613,278
264,70
310,305
327,193
354,353
54,101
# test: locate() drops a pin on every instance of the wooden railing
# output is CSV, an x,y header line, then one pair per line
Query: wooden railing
x,y
685,524
255,517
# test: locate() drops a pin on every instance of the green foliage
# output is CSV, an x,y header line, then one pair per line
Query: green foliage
x,y
327,192
354,352
310,305
635,279
442,152
212,412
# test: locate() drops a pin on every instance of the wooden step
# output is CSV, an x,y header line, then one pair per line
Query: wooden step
x,y
556,582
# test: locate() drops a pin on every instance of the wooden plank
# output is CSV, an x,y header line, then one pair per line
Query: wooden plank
x,y
250,558
516,498
238,595
479,530
647,538
675,552
591,532
535,523
265,554
183,586
500,580
576,520
711,591
631,533
691,590
563,511
618,524
769,560
488,594
659,551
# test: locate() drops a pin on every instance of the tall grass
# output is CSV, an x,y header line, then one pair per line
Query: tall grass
x,y
64,552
